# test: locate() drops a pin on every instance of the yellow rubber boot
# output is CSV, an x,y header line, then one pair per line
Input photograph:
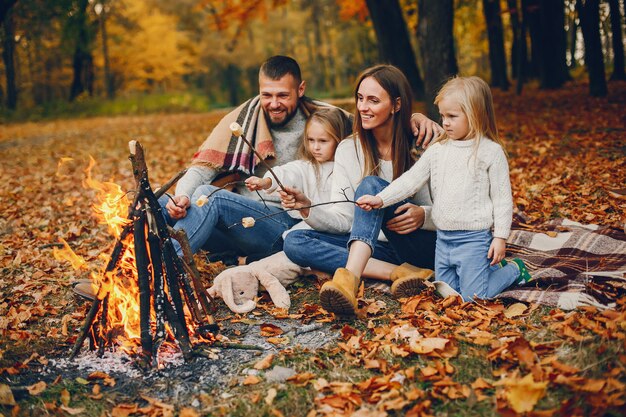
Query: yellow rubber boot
x,y
409,280
339,295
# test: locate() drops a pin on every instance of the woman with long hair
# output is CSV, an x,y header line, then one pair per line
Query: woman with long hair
x,y
352,242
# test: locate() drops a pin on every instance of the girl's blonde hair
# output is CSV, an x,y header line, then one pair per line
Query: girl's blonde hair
x,y
333,122
474,97
394,82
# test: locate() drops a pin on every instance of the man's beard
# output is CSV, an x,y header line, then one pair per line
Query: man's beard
x,y
286,120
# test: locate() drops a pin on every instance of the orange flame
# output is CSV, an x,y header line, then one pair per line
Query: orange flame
x,y
67,254
111,208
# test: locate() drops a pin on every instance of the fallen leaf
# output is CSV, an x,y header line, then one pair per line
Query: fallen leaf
x,y
514,310
523,394
6,395
264,363
271,394
251,380
65,397
72,411
37,388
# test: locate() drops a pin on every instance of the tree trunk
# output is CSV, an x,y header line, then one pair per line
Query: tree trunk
x,y
519,49
8,56
434,31
573,38
82,56
108,78
5,7
617,41
532,21
495,34
232,74
553,66
394,45
589,13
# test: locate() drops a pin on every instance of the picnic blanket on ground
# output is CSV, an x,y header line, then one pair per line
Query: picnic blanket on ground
x,y
223,151
572,264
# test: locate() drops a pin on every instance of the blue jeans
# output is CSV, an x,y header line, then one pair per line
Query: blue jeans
x,y
209,226
461,262
327,252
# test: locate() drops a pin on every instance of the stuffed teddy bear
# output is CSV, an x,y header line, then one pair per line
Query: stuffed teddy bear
x,y
238,286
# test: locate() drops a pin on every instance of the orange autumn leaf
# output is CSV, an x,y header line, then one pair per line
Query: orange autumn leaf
x,y
264,363
37,388
251,380
522,394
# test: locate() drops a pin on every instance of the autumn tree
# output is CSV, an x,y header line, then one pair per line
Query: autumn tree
x,y
434,31
495,33
589,12
617,41
394,45
79,33
8,57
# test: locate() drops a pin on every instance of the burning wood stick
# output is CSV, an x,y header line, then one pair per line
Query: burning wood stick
x,y
143,282
154,244
238,132
189,264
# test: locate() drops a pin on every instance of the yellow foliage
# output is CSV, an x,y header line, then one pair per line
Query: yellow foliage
x,y
146,49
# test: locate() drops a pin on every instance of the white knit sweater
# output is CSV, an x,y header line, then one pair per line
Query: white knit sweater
x,y
301,175
469,193
347,175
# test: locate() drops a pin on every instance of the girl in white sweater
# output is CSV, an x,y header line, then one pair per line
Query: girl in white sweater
x,y
471,190
311,173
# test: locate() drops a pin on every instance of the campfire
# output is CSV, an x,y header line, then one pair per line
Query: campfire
x,y
146,294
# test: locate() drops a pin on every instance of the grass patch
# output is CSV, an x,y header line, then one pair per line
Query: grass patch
x,y
135,104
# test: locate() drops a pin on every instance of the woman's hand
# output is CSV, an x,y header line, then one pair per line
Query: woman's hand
x,y
497,250
177,206
424,129
256,183
292,198
409,218
368,202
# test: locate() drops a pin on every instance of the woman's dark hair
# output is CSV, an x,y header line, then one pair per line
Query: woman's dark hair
x,y
394,82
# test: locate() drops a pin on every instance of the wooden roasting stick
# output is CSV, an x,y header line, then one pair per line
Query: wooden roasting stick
x,y
237,131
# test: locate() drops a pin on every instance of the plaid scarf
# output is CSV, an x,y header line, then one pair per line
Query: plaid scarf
x,y
225,152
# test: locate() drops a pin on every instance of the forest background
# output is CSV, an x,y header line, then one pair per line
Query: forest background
x,y
87,57
557,72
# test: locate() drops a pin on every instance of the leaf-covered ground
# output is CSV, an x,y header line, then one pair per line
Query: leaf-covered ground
x,y
426,356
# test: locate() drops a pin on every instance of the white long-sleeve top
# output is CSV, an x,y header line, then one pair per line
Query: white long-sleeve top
x,y
301,175
470,191
347,175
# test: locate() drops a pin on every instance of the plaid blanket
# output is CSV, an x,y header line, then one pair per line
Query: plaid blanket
x,y
223,151
572,264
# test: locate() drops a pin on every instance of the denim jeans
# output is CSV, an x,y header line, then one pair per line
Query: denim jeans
x,y
461,262
209,226
327,252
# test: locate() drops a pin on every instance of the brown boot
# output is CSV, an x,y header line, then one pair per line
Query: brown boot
x,y
409,280
339,295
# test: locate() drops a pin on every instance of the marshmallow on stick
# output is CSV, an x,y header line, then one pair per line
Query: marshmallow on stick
x,y
237,130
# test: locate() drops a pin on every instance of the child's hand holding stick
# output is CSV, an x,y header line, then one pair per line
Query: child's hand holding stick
x,y
368,202
256,183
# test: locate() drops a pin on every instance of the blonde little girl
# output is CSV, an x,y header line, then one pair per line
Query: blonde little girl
x,y
471,190
312,172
